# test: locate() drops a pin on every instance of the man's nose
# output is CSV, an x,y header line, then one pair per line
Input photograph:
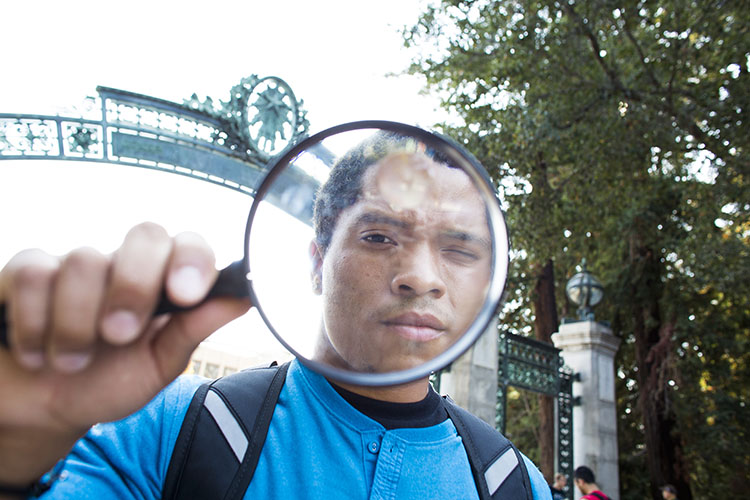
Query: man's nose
x,y
418,273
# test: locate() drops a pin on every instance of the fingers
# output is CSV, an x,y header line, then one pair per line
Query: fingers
x,y
59,309
25,287
135,283
148,263
75,303
191,274
192,269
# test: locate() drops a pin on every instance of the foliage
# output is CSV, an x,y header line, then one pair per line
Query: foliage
x,y
522,429
617,131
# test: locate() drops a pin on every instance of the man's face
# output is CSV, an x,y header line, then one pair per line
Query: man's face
x,y
407,268
579,483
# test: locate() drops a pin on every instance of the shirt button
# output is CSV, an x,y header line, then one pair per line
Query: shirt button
x,y
373,447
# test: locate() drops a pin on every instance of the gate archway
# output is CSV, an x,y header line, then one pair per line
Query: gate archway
x,y
229,143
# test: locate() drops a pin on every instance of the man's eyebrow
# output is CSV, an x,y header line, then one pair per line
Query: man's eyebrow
x,y
455,234
468,237
381,218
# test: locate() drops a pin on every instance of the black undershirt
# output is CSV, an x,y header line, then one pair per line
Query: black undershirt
x,y
424,413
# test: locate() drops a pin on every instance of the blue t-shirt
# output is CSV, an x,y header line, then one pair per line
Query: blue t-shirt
x,y
318,447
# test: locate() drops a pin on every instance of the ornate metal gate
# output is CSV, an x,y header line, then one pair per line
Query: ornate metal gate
x,y
537,366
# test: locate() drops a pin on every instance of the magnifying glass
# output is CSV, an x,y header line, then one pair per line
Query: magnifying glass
x,y
376,252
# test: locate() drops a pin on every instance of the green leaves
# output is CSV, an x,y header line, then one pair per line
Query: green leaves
x,y
616,130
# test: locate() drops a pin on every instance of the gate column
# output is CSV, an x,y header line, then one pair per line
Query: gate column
x,y
472,379
589,348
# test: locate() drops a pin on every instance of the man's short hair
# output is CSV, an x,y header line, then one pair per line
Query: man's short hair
x,y
584,474
669,489
340,191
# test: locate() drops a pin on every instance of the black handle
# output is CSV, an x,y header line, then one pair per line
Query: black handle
x,y
231,282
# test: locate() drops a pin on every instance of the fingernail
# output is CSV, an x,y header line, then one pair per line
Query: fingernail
x,y
70,362
33,360
187,284
120,327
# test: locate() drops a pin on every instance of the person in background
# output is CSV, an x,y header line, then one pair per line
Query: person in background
x,y
558,487
668,492
586,482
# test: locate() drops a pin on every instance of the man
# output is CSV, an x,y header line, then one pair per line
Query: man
x,y
584,479
668,492
85,349
558,487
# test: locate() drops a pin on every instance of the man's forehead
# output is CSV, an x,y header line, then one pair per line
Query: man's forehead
x,y
415,181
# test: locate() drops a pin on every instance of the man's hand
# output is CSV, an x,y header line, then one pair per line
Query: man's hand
x,y
84,345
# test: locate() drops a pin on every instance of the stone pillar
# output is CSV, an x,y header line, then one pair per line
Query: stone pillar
x,y
589,348
472,379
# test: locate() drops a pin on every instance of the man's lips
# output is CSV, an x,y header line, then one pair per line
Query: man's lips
x,y
416,326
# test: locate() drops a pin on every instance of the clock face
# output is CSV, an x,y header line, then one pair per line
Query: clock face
x,y
271,115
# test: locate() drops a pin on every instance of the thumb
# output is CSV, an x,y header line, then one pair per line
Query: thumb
x,y
175,343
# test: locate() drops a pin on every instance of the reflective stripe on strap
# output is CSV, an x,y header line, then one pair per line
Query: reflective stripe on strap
x,y
500,470
227,424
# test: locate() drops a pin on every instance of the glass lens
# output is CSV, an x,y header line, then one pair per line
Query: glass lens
x,y
376,254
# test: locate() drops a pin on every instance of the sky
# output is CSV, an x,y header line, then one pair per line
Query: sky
x,y
335,54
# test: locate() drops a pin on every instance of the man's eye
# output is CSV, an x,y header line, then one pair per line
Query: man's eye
x,y
462,254
378,238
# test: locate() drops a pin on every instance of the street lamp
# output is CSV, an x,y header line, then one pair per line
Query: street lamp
x,y
585,291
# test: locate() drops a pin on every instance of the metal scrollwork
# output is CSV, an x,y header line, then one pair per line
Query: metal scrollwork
x,y
262,115
82,138
565,404
32,136
529,364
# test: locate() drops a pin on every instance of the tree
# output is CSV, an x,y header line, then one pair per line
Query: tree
x,y
617,130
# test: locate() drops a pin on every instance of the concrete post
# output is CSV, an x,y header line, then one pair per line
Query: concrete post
x,y
589,348
472,379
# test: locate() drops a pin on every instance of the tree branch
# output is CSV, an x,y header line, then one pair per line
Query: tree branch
x,y
641,56
596,48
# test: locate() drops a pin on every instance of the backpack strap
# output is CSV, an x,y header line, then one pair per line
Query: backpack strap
x,y
221,438
497,466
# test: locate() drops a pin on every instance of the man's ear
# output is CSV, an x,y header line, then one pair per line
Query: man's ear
x,y
316,267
